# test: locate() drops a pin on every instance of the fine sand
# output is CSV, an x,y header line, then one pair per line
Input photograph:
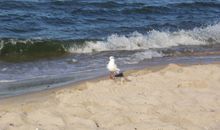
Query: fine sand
x,y
170,98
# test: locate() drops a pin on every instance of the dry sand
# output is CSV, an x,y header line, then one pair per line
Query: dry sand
x,y
171,98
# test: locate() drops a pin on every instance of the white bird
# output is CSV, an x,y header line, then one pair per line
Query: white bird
x,y
112,67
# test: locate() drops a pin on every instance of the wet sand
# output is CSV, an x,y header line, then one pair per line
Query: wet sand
x,y
173,97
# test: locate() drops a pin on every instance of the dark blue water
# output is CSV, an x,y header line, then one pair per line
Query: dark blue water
x,y
51,42
97,19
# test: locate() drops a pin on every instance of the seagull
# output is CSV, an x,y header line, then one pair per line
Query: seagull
x,y
112,67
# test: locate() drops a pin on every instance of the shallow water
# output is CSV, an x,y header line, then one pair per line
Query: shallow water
x,y
52,76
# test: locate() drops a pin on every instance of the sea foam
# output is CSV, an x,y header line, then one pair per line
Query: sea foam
x,y
154,39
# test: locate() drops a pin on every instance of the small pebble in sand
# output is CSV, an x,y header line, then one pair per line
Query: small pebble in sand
x,y
11,124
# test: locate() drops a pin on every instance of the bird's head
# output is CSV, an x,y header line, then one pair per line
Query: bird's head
x,y
111,58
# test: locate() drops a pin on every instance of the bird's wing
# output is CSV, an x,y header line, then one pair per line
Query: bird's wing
x,y
117,70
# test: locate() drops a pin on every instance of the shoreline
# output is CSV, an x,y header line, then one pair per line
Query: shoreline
x,y
77,84
96,79
26,87
166,97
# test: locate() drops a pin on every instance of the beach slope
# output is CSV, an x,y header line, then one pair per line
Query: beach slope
x,y
169,98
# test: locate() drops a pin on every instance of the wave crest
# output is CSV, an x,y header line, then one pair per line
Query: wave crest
x,y
154,39
33,49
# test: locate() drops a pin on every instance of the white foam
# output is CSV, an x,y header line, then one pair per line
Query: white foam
x,y
7,81
153,39
140,56
4,69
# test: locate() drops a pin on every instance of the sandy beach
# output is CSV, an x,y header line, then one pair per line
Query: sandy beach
x,y
173,97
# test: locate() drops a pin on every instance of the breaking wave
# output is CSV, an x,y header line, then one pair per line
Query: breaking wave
x,y
31,49
154,39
